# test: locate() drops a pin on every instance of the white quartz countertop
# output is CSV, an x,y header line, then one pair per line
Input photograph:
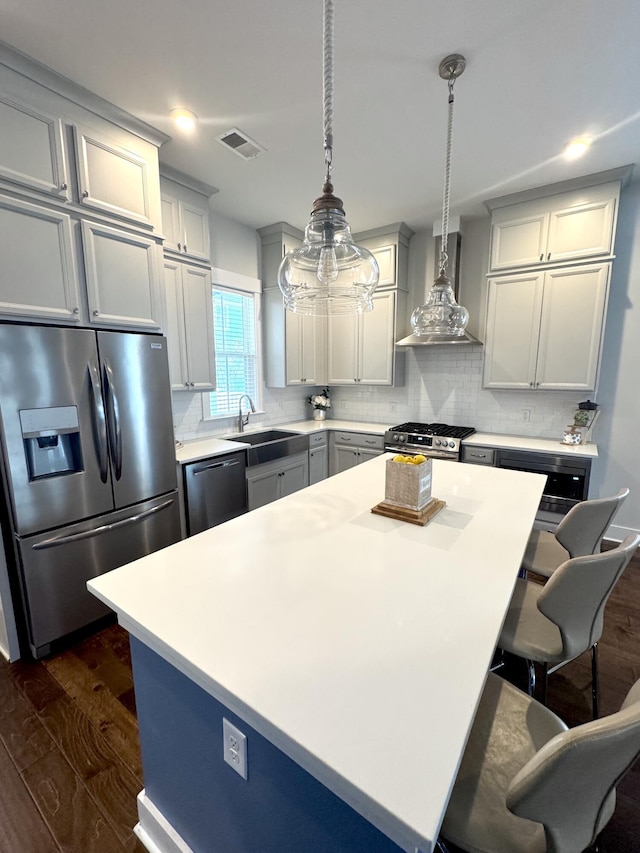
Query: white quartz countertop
x,y
203,448
536,445
359,644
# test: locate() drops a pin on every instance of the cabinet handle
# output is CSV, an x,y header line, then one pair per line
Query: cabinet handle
x,y
185,247
63,187
531,385
186,384
76,310
85,193
542,257
180,248
549,256
369,441
96,313
192,384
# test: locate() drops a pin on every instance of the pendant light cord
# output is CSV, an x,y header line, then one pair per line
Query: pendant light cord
x,y
444,257
327,86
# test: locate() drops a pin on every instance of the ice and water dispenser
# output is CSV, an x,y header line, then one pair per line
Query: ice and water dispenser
x,y
51,440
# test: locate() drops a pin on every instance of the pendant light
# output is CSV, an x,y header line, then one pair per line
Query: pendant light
x,y
441,320
328,274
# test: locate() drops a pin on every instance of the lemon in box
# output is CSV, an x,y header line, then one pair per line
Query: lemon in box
x,y
408,482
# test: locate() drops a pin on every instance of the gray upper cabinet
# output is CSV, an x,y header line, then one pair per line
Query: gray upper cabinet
x,y
78,193
185,220
558,229
112,178
37,263
32,152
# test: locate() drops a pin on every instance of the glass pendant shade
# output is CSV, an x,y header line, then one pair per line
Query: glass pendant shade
x,y
328,274
441,314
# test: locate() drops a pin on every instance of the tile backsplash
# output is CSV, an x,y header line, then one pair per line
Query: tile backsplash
x,y
443,384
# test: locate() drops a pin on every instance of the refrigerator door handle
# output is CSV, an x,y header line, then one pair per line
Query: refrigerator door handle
x,y
99,421
113,419
95,531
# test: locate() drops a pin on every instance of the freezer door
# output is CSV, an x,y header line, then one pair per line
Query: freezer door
x,y
53,426
137,396
55,566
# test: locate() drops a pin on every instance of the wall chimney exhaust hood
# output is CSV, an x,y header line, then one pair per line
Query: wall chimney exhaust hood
x,y
454,245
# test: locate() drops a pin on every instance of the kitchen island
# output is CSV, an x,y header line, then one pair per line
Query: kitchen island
x,y
350,649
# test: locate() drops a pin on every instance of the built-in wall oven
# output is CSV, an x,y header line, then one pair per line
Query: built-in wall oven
x,y
435,441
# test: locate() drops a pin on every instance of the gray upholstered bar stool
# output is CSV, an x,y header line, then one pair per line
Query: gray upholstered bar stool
x,y
557,622
579,533
527,784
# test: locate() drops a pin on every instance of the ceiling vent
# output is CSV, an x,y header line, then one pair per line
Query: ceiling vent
x,y
240,144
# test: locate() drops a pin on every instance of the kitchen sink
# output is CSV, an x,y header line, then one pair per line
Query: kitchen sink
x,y
270,444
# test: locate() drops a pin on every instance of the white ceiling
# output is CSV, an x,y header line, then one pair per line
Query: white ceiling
x,y
539,72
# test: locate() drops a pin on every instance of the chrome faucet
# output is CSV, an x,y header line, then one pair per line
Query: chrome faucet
x,y
244,420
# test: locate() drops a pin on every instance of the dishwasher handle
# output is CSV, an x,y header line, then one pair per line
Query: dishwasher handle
x,y
228,463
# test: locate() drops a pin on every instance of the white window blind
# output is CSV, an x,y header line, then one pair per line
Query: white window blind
x,y
234,328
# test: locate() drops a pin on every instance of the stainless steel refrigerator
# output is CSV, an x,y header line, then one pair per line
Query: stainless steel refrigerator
x,y
88,467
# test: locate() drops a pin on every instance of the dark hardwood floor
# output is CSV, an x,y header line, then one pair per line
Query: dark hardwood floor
x,y
70,760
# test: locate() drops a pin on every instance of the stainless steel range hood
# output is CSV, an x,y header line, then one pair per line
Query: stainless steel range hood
x,y
454,249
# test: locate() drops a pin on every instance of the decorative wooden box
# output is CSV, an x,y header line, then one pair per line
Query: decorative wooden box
x,y
408,485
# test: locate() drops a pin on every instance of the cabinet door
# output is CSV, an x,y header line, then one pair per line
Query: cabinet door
x,y
345,458
262,488
175,330
513,326
294,476
343,350
573,311
37,263
112,179
195,230
519,242
123,275
198,324
32,149
582,231
170,221
318,464
366,454
302,349
376,342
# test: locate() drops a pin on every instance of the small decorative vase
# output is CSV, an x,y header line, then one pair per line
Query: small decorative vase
x,y
319,414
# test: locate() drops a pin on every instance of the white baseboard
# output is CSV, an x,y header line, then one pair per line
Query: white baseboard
x,y
617,533
154,830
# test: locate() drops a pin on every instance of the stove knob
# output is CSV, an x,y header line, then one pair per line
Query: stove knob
x,y
396,437
437,442
452,444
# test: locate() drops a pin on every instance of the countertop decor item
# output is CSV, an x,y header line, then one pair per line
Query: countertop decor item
x,y
328,274
320,402
441,319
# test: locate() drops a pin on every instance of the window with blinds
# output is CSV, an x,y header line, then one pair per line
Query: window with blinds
x,y
234,328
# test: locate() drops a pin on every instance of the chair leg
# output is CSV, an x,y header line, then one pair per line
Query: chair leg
x,y
595,687
545,678
532,677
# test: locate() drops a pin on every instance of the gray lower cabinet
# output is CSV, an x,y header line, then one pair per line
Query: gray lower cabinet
x,y
349,449
318,457
273,480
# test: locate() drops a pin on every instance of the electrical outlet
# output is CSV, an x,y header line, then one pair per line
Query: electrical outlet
x,y
234,747
526,414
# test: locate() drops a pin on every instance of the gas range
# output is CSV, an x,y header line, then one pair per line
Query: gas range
x,y
440,441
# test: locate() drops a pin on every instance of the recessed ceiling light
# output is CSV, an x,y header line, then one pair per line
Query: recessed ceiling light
x,y
185,120
577,147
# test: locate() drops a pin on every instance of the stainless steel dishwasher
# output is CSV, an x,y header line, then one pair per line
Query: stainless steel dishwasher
x,y
215,490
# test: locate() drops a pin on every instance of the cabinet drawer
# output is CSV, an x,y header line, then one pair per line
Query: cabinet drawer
x,y
360,439
479,455
317,439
